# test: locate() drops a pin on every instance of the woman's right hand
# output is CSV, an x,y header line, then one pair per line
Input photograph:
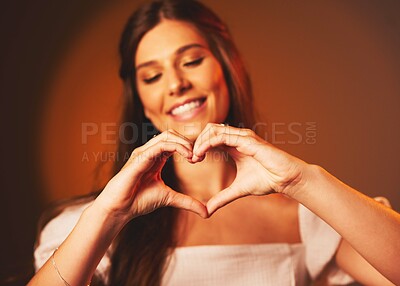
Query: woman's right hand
x,y
138,188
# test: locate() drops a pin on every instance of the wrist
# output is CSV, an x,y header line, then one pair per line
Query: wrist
x,y
110,222
308,175
114,209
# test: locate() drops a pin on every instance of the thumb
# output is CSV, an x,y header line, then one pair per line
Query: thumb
x,y
188,203
223,198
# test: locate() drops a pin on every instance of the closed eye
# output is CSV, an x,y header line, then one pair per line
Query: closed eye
x,y
194,62
152,79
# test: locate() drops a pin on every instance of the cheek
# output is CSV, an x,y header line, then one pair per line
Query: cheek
x,y
223,100
212,79
148,97
221,90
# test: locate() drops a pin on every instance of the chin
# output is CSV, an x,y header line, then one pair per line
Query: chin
x,y
189,129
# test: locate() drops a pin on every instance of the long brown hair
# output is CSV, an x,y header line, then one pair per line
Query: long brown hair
x,y
141,250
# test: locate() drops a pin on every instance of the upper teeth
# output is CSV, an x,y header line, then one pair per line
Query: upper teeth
x,y
186,107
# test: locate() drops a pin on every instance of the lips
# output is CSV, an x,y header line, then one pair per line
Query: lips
x,y
186,106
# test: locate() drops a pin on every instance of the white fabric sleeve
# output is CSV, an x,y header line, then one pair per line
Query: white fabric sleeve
x,y
56,231
321,242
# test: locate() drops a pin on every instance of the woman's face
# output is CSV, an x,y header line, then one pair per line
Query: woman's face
x,y
180,82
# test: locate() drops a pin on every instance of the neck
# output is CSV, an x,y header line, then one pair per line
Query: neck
x,y
204,179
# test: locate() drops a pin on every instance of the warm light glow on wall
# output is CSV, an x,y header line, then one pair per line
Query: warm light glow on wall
x,y
328,63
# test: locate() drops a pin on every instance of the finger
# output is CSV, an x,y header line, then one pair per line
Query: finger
x,y
188,203
213,130
169,135
223,198
166,148
244,144
205,134
157,153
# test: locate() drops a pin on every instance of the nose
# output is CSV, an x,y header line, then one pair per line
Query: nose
x,y
178,84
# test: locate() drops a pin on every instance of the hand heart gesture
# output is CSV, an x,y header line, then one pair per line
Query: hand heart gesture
x,y
139,189
261,168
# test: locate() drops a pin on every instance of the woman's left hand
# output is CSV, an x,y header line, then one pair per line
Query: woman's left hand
x,y
261,168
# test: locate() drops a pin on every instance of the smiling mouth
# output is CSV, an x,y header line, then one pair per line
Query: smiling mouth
x,y
187,107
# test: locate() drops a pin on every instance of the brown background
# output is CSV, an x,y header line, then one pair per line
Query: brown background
x,y
333,63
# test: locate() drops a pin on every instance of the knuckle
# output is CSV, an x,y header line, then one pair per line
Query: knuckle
x,y
251,132
209,126
134,154
169,199
137,150
214,129
248,132
222,137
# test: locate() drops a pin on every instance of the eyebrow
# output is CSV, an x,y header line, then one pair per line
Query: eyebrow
x,y
179,51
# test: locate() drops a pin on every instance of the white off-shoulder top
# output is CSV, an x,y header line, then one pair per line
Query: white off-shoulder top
x,y
235,265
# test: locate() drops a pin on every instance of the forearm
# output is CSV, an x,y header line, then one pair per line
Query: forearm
x,y
79,255
371,228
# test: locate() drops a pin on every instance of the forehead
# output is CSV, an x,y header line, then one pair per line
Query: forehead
x,y
165,39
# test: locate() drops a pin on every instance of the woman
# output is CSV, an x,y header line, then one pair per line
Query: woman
x,y
183,75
